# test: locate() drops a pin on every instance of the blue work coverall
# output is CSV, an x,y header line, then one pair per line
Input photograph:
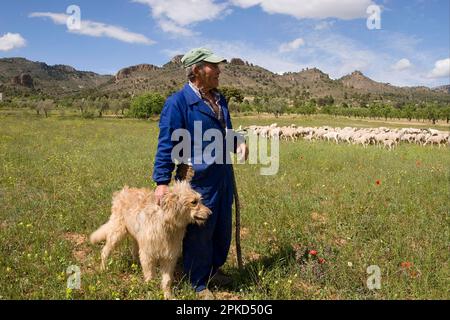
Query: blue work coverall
x,y
205,248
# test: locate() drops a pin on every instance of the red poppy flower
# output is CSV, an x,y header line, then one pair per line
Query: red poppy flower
x,y
378,182
321,260
313,252
406,264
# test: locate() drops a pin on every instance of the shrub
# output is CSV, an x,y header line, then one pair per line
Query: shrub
x,y
144,106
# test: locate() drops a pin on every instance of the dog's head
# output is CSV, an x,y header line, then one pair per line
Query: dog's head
x,y
185,205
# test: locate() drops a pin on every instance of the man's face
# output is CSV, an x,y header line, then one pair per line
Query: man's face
x,y
208,75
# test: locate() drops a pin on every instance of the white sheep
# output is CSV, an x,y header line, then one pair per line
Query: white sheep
x,y
439,139
389,143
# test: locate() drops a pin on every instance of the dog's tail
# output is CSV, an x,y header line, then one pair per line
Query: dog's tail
x,y
99,234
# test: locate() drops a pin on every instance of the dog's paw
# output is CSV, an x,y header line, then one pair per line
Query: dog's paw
x,y
169,296
148,278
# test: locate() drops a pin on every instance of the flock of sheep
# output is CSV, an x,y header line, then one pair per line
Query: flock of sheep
x,y
385,137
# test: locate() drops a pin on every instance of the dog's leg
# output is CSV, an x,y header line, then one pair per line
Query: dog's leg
x,y
135,249
148,265
167,270
112,240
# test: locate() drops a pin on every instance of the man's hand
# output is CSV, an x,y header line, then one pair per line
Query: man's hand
x,y
242,152
160,191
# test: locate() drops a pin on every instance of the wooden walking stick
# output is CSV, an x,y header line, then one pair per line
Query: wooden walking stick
x,y
237,210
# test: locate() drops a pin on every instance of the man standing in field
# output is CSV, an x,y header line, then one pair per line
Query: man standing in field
x,y
197,108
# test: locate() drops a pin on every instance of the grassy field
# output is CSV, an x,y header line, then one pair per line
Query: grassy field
x,y
356,207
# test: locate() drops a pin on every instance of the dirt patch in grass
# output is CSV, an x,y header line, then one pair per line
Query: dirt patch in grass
x,y
76,238
319,218
80,249
80,255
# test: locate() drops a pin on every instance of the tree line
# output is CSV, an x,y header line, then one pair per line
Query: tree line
x,y
150,104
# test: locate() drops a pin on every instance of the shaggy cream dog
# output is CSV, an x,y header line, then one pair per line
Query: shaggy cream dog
x,y
158,231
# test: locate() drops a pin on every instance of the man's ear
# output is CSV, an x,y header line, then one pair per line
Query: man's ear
x,y
196,70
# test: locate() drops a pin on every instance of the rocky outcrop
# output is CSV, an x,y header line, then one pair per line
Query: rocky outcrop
x,y
126,72
176,59
307,75
24,80
443,89
357,80
237,62
64,68
175,62
21,75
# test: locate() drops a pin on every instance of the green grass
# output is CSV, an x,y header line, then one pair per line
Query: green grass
x,y
57,176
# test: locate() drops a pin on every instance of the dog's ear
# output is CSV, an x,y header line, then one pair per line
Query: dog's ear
x,y
190,173
169,201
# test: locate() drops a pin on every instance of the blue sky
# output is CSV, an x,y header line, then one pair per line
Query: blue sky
x,y
411,47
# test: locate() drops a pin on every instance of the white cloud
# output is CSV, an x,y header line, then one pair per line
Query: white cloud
x,y
171,27
315,9
175,15
402,64
291,46
11,41
394,45
338,55
441,69
96,29
58,18
246,3
324,25
404,44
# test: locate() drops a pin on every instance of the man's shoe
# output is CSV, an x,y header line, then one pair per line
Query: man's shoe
x,y
205,295
220,279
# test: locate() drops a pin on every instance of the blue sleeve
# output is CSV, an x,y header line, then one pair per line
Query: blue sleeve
x,y
171,119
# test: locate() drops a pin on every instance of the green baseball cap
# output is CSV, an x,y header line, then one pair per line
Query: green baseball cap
x,y
200,54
